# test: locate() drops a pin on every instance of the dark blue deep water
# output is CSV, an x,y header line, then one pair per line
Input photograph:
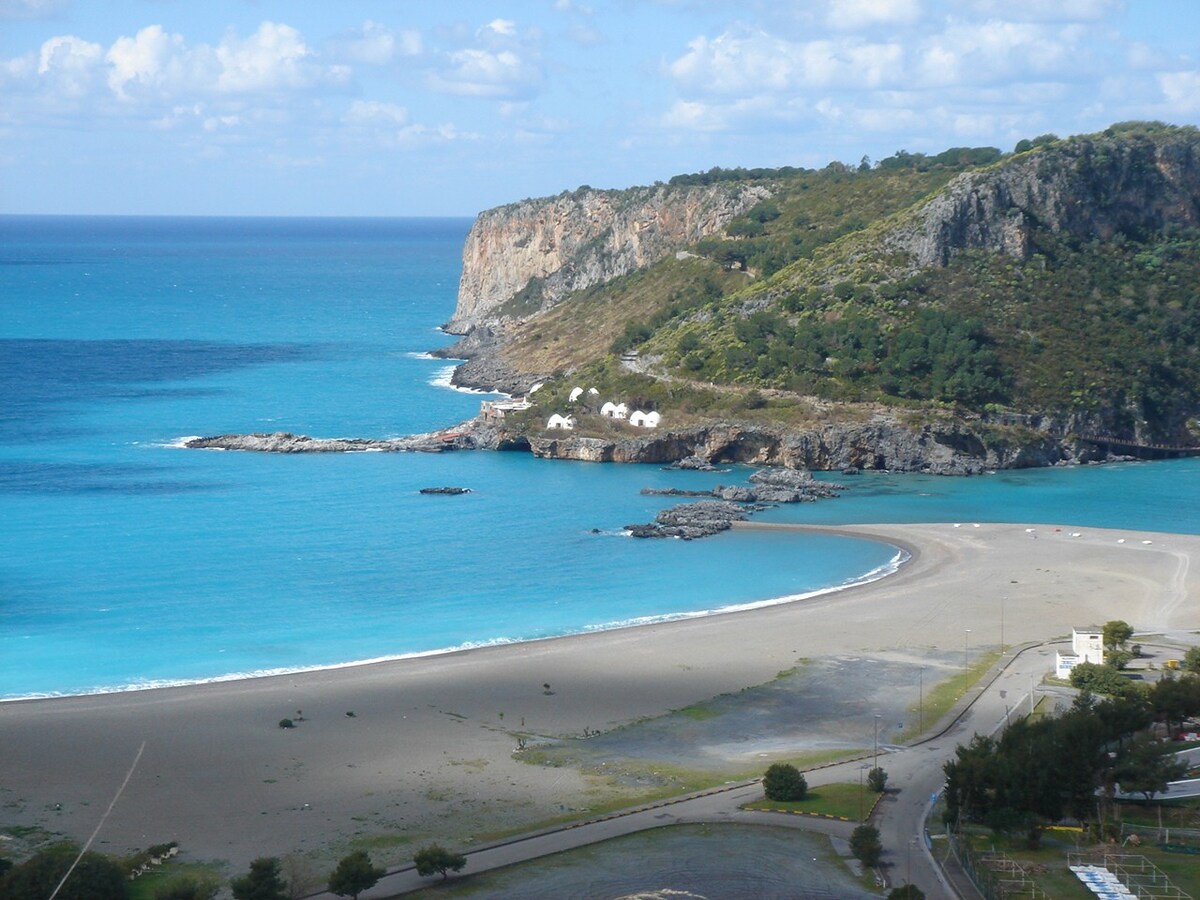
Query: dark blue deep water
x,y
126,561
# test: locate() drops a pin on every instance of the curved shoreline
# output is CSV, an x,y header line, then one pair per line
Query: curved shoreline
x,y
397,765
905,552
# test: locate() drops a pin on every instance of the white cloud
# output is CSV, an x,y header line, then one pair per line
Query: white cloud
x,y
369,112
274,57
483,73
753,63
30,9
376,45
980,53
153,61
857,14
71,65
689,115
1046,11
1181,91
154,67
503,27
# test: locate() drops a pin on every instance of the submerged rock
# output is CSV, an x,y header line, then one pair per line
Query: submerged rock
x,y
445,490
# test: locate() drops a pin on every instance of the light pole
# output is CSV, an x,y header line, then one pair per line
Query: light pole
x,y
966,652
860,794
921,700
1002,599
862,815
877,740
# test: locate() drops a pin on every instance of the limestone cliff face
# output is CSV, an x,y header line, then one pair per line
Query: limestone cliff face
x,y
545,249
1088,187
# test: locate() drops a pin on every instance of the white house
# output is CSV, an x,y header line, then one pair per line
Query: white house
x,y
652,419
576,393
620,411
558,422
1087,645
638,419
592,392
496,409
608,408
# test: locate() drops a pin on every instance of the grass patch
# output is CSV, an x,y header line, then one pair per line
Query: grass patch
x,y
941,697
382,841
843,801
170,874
697,712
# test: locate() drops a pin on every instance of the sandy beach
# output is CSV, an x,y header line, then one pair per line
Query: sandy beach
x,y
428,751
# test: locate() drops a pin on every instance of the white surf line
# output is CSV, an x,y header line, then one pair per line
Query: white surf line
x,y
100,824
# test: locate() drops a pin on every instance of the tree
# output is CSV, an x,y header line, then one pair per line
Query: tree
x,y
1099,679
355,874
1148,766
1191,660
262,882
1116,635
96,877
435,858
907,892
877,780
784,782
864,844
301,875
1174,699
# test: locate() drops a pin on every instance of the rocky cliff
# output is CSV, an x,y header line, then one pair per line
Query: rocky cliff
x,y
529,255
885,443
1091,187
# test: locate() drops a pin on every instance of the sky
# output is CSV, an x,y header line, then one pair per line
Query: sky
x,y
449,107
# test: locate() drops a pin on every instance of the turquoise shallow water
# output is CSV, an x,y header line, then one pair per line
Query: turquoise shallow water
x,y
128,562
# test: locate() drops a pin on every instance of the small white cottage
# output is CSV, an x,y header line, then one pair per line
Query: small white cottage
x,y
558,422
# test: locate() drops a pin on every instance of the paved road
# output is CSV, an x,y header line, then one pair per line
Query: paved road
x,y
915,773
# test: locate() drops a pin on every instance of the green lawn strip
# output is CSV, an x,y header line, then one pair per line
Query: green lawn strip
x,y
940,698
838,801
159,878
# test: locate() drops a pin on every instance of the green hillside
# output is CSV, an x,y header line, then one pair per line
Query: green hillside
x,y
840,288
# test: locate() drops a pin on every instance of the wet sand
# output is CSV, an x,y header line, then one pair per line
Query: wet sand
x,y
428,751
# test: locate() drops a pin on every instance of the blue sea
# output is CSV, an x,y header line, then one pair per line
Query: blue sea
x,y
128,562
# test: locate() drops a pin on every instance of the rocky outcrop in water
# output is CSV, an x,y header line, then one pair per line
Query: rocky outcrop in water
x,y
767,486
691,521
285,442
952,448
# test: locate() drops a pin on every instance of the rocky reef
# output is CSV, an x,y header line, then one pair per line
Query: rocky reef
x,y
884,443
732,503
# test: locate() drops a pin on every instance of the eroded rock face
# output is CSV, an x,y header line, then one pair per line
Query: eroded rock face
x,y
1088,187
550,247
877,445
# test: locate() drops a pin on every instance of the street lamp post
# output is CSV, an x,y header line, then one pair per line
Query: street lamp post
x,y
921,700
860,794
966,652
877,740
1002,599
